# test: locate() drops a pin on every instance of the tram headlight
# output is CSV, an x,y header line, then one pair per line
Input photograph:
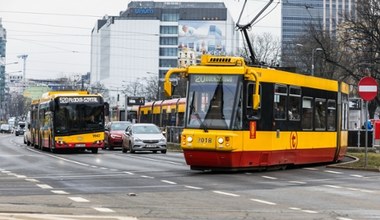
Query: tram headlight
x,y
189,139
220,140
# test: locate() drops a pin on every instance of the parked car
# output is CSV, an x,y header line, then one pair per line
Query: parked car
x,y
143,137
113,134
20,130
5,128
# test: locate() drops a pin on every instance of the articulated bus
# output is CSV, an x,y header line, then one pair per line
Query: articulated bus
x,y
163,113
68,120
242,117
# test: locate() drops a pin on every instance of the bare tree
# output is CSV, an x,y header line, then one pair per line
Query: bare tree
x,y
267,49
353,50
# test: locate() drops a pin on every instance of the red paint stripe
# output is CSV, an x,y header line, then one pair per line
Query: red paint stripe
x,y
259,158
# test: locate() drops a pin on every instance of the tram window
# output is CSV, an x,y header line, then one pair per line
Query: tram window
x,y
345,109
294,104
307,113
331,115
320,114
280,97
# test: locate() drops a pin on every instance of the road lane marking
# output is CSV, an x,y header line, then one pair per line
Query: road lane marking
x,y
334,172
226,193
169,182
269,177
193,187
78,199
295,208
32,180
356,175
61,192
342,218
99,209
130,173
44,186
297,182
309,168
334,186
20,176
148,177
309,211
263,201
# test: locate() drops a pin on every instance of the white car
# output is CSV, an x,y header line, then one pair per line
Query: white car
x,y
143,137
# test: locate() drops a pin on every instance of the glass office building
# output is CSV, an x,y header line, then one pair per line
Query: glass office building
x,y
296,14
149,38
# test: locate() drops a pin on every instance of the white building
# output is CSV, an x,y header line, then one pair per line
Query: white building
x,y
152,37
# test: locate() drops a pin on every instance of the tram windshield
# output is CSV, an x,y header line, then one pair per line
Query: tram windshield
x,y
72,118
214,102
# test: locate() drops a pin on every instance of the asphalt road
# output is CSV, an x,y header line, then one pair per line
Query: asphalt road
x,y
113,185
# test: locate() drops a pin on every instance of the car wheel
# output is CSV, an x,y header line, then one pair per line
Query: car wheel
x,y
124,150
163,151
94,150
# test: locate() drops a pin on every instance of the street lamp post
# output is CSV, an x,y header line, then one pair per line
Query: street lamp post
x,y
312,59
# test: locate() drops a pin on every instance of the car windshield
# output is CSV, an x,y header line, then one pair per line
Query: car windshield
x,y
146,129
119,126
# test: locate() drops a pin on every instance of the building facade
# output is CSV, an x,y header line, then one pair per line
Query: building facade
x,y
149,38
3,40
297,14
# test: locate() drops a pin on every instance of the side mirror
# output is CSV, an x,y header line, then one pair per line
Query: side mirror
x,y
168,88
256,101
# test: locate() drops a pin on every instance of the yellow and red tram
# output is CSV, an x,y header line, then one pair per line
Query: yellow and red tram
x,y
163,113
240,117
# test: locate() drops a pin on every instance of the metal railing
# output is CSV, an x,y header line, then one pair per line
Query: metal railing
x,y
173,134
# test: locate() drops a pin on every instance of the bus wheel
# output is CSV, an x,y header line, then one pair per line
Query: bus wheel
x,y
94,151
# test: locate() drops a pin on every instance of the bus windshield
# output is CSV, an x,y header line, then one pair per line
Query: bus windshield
x,y
78,117
214,102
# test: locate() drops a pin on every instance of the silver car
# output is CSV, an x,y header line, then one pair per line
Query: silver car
x,y
143,137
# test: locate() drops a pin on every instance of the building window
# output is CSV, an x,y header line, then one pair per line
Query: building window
x,y
168,62
168,51
169,17
168,30
168,41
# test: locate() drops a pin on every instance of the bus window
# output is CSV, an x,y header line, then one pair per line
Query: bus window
x,y
320,114
307,113
280,96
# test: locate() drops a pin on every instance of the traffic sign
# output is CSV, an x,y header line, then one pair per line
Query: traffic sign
x,y
368,88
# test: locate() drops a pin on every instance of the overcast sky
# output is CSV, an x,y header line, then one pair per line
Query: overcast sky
x,y
55,34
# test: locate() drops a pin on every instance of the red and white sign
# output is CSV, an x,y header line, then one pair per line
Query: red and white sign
x,y
368,88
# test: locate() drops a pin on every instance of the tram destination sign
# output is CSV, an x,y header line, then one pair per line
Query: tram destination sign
x,y
368,88
78,100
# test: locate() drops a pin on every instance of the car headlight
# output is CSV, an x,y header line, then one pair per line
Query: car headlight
x,y
115,136
162,140
137,139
